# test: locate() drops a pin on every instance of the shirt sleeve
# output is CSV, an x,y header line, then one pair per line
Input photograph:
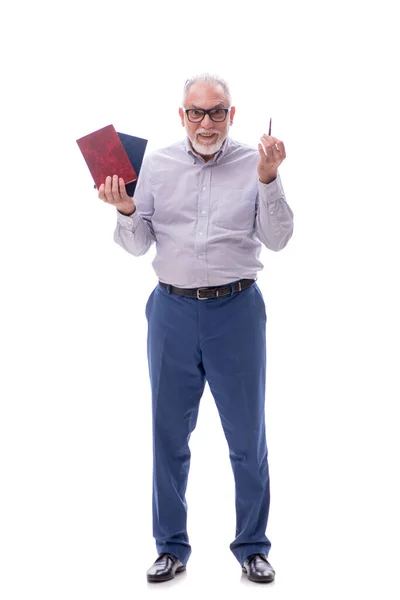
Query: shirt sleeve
x,y
274,219
135,233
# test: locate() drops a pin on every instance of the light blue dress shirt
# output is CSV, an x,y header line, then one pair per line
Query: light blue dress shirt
x,y
207,219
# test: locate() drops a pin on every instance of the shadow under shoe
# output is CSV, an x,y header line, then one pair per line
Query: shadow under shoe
x,y
165,568
258,569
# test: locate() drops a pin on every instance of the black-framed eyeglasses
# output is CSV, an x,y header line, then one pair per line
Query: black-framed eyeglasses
x,y
196,115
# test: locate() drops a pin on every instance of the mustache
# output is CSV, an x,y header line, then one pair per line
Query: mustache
x,y
202,130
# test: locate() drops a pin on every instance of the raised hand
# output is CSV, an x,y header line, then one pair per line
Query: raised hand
x,y
272,153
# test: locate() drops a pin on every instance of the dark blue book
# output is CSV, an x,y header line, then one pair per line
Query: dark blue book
x,y
135,148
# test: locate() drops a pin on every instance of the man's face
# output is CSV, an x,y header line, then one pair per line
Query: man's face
x,y
207,136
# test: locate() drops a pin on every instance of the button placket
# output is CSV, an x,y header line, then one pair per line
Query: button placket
x,y
202,225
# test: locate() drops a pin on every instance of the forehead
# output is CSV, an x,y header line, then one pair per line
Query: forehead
x,y
206,95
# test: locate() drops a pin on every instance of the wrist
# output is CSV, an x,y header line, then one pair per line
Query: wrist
x,y
267,180
127,213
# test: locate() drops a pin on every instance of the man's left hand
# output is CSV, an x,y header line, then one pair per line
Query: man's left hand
x,y
272,153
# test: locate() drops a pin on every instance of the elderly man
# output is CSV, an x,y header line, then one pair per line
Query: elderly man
x,y
209,203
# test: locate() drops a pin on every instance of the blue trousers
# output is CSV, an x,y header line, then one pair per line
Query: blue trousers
x,y
221,341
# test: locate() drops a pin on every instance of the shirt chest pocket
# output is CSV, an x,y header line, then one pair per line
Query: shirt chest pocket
x,y
235,209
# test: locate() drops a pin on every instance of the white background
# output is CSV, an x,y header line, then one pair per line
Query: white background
x,y
75,397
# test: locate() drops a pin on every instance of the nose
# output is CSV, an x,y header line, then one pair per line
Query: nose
x,y
207,122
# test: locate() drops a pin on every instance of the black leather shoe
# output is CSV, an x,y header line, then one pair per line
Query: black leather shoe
x,y
258,568
165,568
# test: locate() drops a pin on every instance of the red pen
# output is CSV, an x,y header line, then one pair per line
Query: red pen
x,y
269,131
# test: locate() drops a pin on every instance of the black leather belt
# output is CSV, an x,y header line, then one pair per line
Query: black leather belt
x,y
207,293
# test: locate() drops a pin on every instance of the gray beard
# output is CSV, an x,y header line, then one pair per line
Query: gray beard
x,y
206,149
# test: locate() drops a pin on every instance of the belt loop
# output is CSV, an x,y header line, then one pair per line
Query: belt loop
x,y
169,289
232,288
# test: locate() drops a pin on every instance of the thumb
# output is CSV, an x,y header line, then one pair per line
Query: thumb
x,y
261,150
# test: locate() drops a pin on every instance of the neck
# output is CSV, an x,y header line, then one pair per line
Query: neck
x,y
207,157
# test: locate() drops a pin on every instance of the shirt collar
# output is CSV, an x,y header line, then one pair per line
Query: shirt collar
x,y
221,152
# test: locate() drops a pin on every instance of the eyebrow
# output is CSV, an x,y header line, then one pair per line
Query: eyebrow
x,y
220,105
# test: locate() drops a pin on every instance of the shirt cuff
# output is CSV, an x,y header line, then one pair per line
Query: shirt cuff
x,y
271,192
127,222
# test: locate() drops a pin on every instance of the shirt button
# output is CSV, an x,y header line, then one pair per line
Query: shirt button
x,y
203,188
201,233
271,212
203,212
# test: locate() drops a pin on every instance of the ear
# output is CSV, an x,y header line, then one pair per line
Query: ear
x,y
232,114
182,116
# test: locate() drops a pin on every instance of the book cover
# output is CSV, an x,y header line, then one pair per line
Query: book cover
x,y
104,154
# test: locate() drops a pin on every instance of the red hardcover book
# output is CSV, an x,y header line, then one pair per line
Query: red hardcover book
x,y
105,155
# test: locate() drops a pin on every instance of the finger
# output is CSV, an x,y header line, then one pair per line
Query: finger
x,y
268,150
107,189
280,146
278,149
101,194
272,154
115,189
268,142
282,149
261,151
266,155
277,142
273,142
122,189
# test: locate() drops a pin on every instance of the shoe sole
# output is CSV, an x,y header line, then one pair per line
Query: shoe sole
x,y
161,578
267,579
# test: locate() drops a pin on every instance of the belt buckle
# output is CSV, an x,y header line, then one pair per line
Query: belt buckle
x,y
197,293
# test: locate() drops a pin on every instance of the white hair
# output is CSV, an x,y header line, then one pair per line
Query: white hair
x,y
206,78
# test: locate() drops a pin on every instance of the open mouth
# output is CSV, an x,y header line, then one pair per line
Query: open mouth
x,y
206,137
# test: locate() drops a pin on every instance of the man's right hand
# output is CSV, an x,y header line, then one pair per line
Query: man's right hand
x,y
114,192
